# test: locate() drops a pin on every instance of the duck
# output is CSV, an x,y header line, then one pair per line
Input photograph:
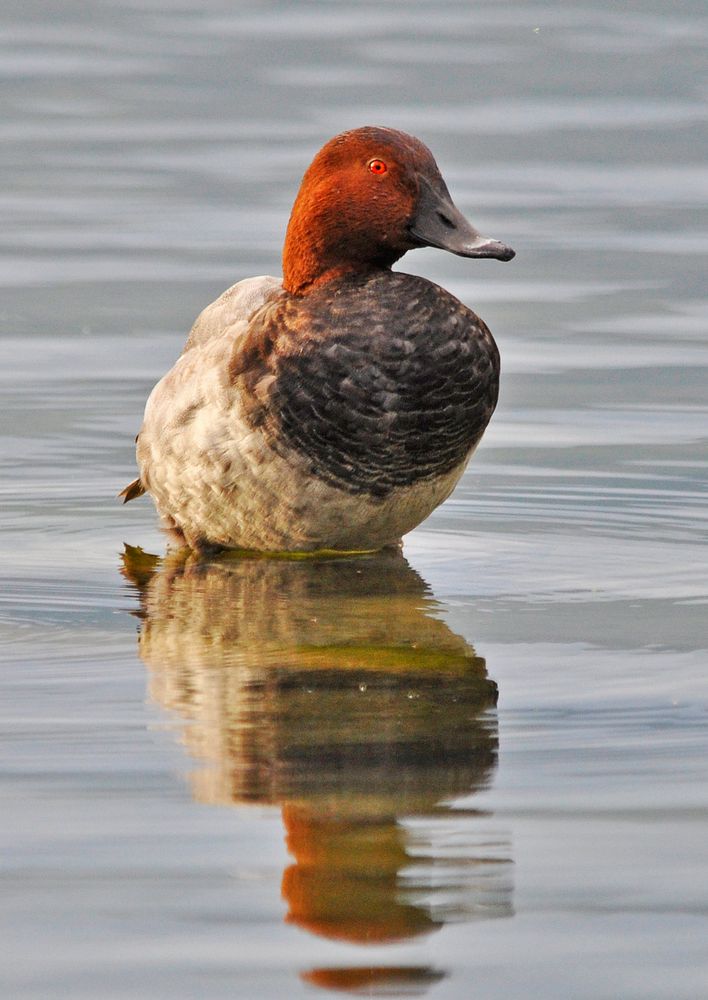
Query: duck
x,y
332,409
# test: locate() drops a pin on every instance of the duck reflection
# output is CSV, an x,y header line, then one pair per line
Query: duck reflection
x,y
332,689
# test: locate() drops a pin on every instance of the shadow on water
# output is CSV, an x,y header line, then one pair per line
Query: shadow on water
x,y
332,689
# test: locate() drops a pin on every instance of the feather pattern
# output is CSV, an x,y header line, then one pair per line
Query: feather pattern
x,y
336,420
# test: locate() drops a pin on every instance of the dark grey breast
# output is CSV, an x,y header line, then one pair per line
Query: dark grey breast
x,y
381,381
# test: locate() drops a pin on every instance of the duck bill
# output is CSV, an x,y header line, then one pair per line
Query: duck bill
x,y
439,223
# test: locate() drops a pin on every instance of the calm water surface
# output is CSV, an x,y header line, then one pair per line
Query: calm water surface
x,y
480,768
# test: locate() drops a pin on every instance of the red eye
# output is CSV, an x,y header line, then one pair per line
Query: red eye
x,y
377,167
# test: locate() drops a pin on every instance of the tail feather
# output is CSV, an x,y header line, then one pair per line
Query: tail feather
x,y
132,491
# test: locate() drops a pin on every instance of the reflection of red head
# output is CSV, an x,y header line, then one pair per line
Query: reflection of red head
x,y
344,883
363,980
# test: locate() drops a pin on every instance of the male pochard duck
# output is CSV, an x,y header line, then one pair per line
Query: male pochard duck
x,y
334,409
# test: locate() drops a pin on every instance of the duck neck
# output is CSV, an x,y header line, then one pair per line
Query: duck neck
x,y
298,279
323,246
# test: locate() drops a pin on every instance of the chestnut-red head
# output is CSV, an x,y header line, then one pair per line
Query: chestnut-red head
x,y
367,197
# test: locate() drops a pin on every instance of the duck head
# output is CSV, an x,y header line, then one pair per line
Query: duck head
x,y
368,197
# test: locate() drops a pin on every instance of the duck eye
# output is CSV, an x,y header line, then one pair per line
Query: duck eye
x,y
377,167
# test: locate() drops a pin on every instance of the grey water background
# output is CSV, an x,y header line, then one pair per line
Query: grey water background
x,y
150,153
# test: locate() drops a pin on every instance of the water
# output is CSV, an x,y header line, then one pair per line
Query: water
x,y
257,779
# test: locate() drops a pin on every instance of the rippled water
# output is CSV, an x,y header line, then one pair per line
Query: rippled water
x,y
278,779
